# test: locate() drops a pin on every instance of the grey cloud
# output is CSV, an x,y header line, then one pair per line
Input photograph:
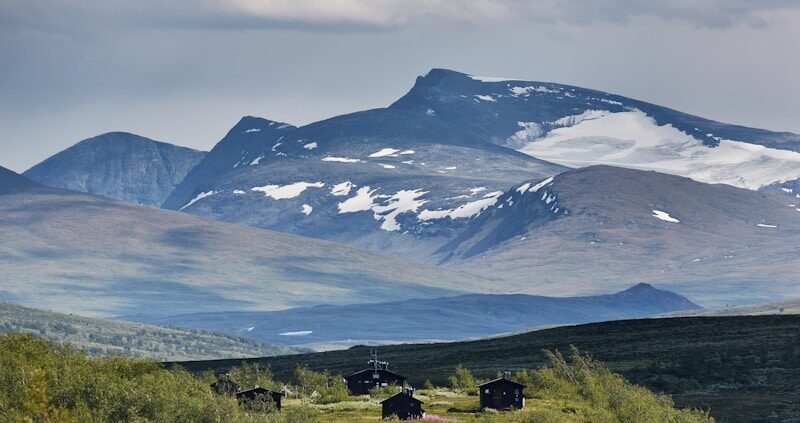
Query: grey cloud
x,y
370,15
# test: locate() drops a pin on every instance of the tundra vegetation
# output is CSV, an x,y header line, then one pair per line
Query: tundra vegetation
x,y
45,382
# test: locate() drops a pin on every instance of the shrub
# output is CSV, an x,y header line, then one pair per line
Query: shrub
x,y
598,395
463,381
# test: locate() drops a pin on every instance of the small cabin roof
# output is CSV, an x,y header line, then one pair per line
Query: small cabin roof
x,y
399,376
259,389
502,379
399,394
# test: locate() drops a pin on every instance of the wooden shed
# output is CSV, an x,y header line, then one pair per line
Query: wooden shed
x,y
260,394
359,383
225,385
402,405
502,394
377,375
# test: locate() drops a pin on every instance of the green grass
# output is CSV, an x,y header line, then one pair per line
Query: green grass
x,y
708,361
42,382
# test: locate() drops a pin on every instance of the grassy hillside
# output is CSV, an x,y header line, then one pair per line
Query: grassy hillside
x,y
102,337
42,382
747,369
72,252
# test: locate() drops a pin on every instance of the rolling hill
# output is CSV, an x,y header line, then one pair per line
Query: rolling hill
x,y
609,227
118,165
443,319
72,252
104,337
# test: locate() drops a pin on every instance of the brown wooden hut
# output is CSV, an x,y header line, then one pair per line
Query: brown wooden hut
x,y
502,394
402,405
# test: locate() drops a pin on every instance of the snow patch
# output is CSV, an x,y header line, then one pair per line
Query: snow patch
x,y
297,333
764,225
526,91
541,184
197,198
251,130
662,215
340,159
491,78
401,202
307,209
362,201
470,209
238,192
342,188
385,152
256,161
284,192
485,98
310,146
387,166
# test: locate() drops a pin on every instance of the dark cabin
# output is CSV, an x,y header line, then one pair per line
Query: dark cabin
x,y
225,385
260,394
379,375
402,405
502,394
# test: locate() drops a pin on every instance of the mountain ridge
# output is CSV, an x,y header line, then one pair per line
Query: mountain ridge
x,y
118,165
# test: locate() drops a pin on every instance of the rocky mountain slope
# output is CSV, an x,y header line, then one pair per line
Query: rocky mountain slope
x,y
118,165
609,227
442,319
408,178
104,337
72,252
384,179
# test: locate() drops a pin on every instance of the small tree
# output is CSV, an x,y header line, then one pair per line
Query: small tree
x,y
463,381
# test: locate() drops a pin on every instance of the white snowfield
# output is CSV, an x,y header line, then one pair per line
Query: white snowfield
x,y
662,215
283,192
633,139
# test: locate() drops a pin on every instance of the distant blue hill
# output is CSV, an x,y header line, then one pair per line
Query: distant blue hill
x,y
449,318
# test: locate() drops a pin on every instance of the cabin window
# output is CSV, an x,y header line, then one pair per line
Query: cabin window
x,y
487,390
383,384
376,376
516,391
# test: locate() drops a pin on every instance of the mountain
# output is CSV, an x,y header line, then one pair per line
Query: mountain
x,y
73,252
11,182
118,165
103,337
387,179
743,368
409,178
608,227
443,319
579,127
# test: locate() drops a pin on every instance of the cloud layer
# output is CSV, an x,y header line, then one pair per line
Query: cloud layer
x,y
360,15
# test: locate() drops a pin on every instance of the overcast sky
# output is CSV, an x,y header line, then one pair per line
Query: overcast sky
x,y
184,71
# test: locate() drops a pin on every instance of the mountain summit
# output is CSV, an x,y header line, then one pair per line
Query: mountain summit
x,y
118,165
